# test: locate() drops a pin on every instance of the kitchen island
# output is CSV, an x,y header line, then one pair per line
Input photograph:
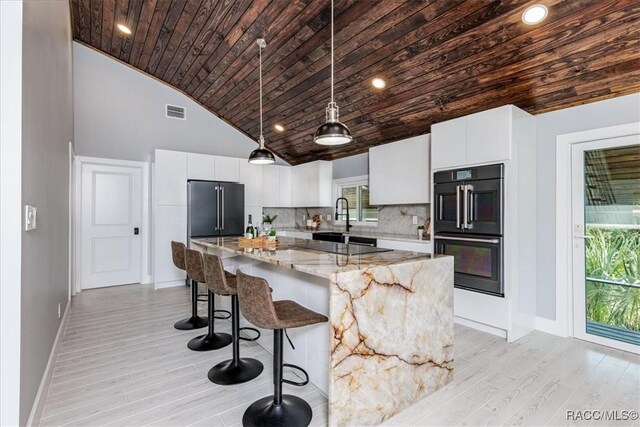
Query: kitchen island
x,y
389,341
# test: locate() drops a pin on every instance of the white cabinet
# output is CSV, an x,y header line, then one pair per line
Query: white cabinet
x,y
170,223
417,246
276,186
170,178
449,144
251,176
479,138
284,175
227,169
201,166
399,172
311,184
489,136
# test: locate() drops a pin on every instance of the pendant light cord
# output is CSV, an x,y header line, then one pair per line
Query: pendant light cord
x,y
261,137
331,51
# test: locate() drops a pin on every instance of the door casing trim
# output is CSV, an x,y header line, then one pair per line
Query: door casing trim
x,y
79,161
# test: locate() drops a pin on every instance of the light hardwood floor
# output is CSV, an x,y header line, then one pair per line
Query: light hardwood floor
x,y
121,362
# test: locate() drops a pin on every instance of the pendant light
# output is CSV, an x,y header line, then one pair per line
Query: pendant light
x,y
332,132
261,156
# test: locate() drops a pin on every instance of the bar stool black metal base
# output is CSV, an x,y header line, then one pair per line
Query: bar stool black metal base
x,y
194,322
232,372
209,342
292,412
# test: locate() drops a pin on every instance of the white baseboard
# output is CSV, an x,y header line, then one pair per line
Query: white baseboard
x,y
552,327
171,284
38,403
481,327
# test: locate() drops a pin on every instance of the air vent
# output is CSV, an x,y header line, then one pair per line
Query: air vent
x,y
175,112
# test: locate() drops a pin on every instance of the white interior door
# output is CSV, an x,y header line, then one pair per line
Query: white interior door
x,y
606,241
111,218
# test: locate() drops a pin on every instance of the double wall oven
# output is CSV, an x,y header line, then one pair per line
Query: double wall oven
x,y
468,225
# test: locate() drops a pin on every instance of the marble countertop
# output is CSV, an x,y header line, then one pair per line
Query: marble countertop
x,y
321,264
373,234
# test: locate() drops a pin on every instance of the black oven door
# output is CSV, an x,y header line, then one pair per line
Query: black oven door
x,y
477,262
447,209
483,203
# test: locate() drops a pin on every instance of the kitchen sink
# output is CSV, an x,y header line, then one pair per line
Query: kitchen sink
x,y
329,236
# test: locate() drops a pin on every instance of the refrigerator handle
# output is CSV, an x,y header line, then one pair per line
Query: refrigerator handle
x,y
458,206
217,208
222,188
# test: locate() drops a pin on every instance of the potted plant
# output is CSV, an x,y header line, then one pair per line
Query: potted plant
x,y
420,231
267,220
272,234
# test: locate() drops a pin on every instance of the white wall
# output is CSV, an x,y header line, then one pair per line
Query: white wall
x,y
611,112
120,114
10,208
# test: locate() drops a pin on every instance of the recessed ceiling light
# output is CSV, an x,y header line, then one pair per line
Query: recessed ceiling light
x,y
124,28
534,14
378,83
279,127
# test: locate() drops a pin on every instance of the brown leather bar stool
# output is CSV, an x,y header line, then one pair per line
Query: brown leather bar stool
x,y
259,308
211,340
194,322
236,370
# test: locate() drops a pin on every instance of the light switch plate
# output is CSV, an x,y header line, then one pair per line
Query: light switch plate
x,y
30,217
415,219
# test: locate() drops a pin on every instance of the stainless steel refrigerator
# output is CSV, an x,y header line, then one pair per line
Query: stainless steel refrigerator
x,y
215,208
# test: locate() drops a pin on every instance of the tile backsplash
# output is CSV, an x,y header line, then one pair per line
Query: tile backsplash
x,y
392,219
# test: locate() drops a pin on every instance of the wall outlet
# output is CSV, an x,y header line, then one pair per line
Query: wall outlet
x,y
328,217
59,310
304,217
415,220
30,217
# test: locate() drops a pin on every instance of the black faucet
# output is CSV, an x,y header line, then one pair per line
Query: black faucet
x,y
347,214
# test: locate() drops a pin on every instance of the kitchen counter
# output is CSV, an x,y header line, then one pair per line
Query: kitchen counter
x,y
365,233
389,341
291,255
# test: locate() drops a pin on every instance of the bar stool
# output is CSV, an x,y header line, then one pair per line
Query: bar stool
x,y
259,308
194,322
211,340
236,370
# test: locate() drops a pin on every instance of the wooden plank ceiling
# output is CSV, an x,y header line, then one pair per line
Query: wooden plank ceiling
x,y
441,59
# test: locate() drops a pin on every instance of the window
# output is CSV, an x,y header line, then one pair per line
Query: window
x,y
356,191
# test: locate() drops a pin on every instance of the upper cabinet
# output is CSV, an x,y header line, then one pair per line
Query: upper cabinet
x,y
170,183
276,186
399,172
311,184
479,138
201,166
227,169
251,176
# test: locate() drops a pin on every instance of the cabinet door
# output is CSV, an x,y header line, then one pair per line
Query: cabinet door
x,y
271,186
227,169
252,177
301,186
170,223
200,166
449,144
284,174
489,136
170,178
399,172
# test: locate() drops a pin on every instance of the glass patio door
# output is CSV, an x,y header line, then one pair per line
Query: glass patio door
x,y
606,241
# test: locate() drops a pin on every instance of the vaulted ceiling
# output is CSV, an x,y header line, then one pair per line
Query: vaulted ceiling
x,y
441,59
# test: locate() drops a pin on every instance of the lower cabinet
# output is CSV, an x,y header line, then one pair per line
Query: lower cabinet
x,y
417,246
170,223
